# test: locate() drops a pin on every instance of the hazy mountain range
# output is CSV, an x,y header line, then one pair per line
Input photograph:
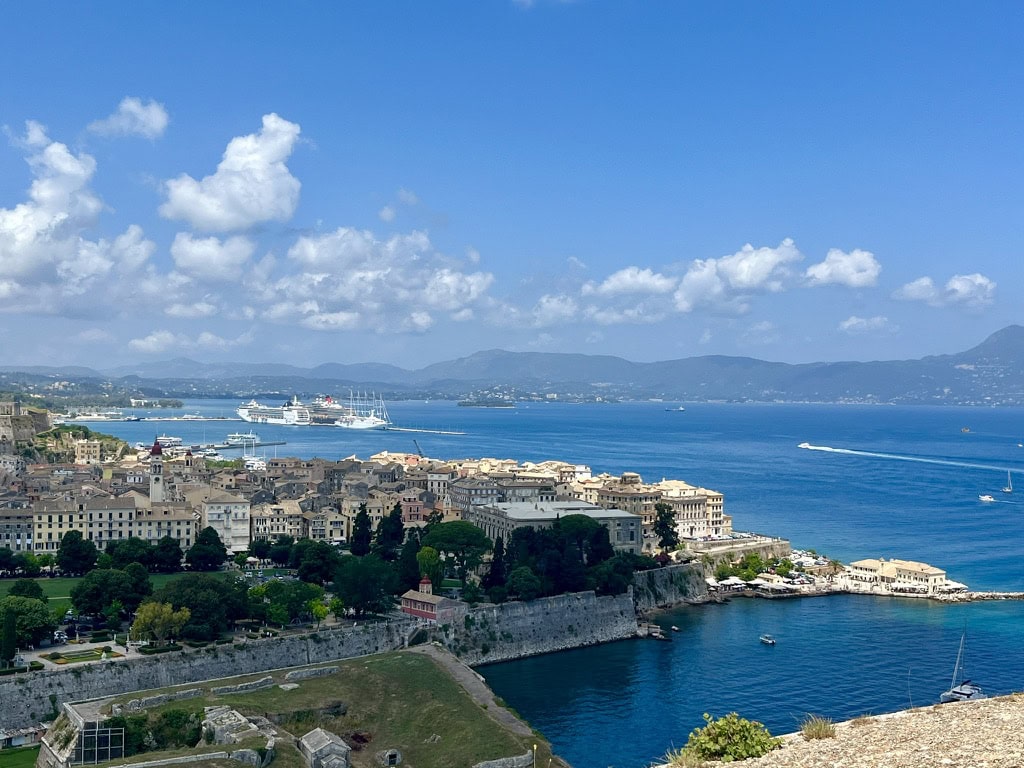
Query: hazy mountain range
x,y
990,373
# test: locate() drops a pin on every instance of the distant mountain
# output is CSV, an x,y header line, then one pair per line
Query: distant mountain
x,y
990,373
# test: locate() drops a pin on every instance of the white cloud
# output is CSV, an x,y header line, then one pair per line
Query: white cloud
x,y
45,251
553,310
408,197
156,342
133,118
973,291
387,213
725,283
94,336
196,310
631,280
252,184
210,258
856,269
358,280
763,332
853,324
162,341
617,316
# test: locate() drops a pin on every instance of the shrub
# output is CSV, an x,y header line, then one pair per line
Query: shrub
x,y
35,665
816,727
730,738
54,656
680,758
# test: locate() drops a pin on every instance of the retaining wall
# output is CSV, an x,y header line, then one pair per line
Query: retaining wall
x,y
670,586
25,699
516,630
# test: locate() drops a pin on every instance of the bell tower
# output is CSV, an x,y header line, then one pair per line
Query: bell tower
x,y
156,472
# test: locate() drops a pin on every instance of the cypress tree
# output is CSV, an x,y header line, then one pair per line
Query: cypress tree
x,y
361,533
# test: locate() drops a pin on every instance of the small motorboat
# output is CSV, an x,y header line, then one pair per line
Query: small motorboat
x,y
767,639
675,628
986,497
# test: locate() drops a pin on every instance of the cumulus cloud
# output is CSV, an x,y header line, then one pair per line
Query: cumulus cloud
x,y
159,342
350,279
724,283
195,310
631,280
854,325
133,118
45,251
973,291
251,185
553,310
856,269
387,213
210,258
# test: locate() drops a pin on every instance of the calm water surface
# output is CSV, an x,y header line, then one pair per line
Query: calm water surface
x,y
904,484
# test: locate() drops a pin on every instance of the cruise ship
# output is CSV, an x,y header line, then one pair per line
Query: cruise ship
x,y
292,413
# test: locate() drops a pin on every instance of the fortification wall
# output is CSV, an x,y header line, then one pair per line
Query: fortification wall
x,y
28,698
670,586
516,630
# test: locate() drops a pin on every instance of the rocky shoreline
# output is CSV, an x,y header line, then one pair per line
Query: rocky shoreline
x,y
970,734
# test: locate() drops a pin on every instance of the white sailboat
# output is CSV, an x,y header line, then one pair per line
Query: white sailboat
x,y
964,690
1009,483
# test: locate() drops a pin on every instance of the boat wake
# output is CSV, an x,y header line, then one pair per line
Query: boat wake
x,y
899,457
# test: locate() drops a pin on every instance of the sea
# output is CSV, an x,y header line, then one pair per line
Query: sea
x,y
848,481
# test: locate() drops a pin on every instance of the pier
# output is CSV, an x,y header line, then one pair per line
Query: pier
x,y
246,445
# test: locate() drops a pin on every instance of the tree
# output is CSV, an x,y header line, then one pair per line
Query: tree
x,y
260,549
365,584
290,597
599,548
76,555
167,555
361,533
9,638
28,588
408,566
281,550
215,602
99,588
665,526
523,583
28,563
496,573
390,533
315,560
429,561
159,621
141,586
130,550
208,553
6,559
32,619
318,610
462,541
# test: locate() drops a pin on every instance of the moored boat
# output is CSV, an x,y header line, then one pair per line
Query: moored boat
x,y
965,690
292,414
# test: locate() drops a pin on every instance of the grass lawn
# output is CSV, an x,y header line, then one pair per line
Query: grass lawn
x,y
394,700
22,757
89,654
58,590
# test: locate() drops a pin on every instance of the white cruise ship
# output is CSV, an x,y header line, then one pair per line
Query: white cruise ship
x,y
293,413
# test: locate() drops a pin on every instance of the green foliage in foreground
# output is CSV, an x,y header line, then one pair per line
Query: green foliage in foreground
x,y
730,738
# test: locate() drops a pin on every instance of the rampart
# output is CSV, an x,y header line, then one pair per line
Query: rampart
x,y
670,586
516,630
26,699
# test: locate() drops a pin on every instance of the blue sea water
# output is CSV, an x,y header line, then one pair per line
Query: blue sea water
x,y
900,482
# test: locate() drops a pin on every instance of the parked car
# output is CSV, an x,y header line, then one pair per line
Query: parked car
x,y
60,637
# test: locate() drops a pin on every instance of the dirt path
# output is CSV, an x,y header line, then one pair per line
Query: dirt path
x,y
477,689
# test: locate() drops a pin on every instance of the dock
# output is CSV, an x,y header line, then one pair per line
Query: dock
x,y
246,445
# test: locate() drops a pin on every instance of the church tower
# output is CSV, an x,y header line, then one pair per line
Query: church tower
x,y
156,472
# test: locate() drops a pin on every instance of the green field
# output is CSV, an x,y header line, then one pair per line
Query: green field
x,y
394,700
58,590
22,757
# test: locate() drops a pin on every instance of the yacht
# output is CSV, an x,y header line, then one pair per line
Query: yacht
x,y
965,690
1008,488
768,639
364,412
986,497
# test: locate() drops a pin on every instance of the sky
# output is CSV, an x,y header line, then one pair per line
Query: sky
x,y
412,182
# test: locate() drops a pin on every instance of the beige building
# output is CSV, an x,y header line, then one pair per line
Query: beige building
x,y
898,575
228,515
624,528
107,519
268,521
87,452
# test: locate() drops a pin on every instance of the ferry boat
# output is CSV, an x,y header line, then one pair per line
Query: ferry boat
x,y
242,438
364,412
169,441
292,414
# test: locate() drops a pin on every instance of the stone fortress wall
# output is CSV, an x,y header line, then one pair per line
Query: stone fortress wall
x,y
486,634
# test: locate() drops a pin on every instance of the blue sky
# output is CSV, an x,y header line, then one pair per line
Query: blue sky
x,y
410,182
